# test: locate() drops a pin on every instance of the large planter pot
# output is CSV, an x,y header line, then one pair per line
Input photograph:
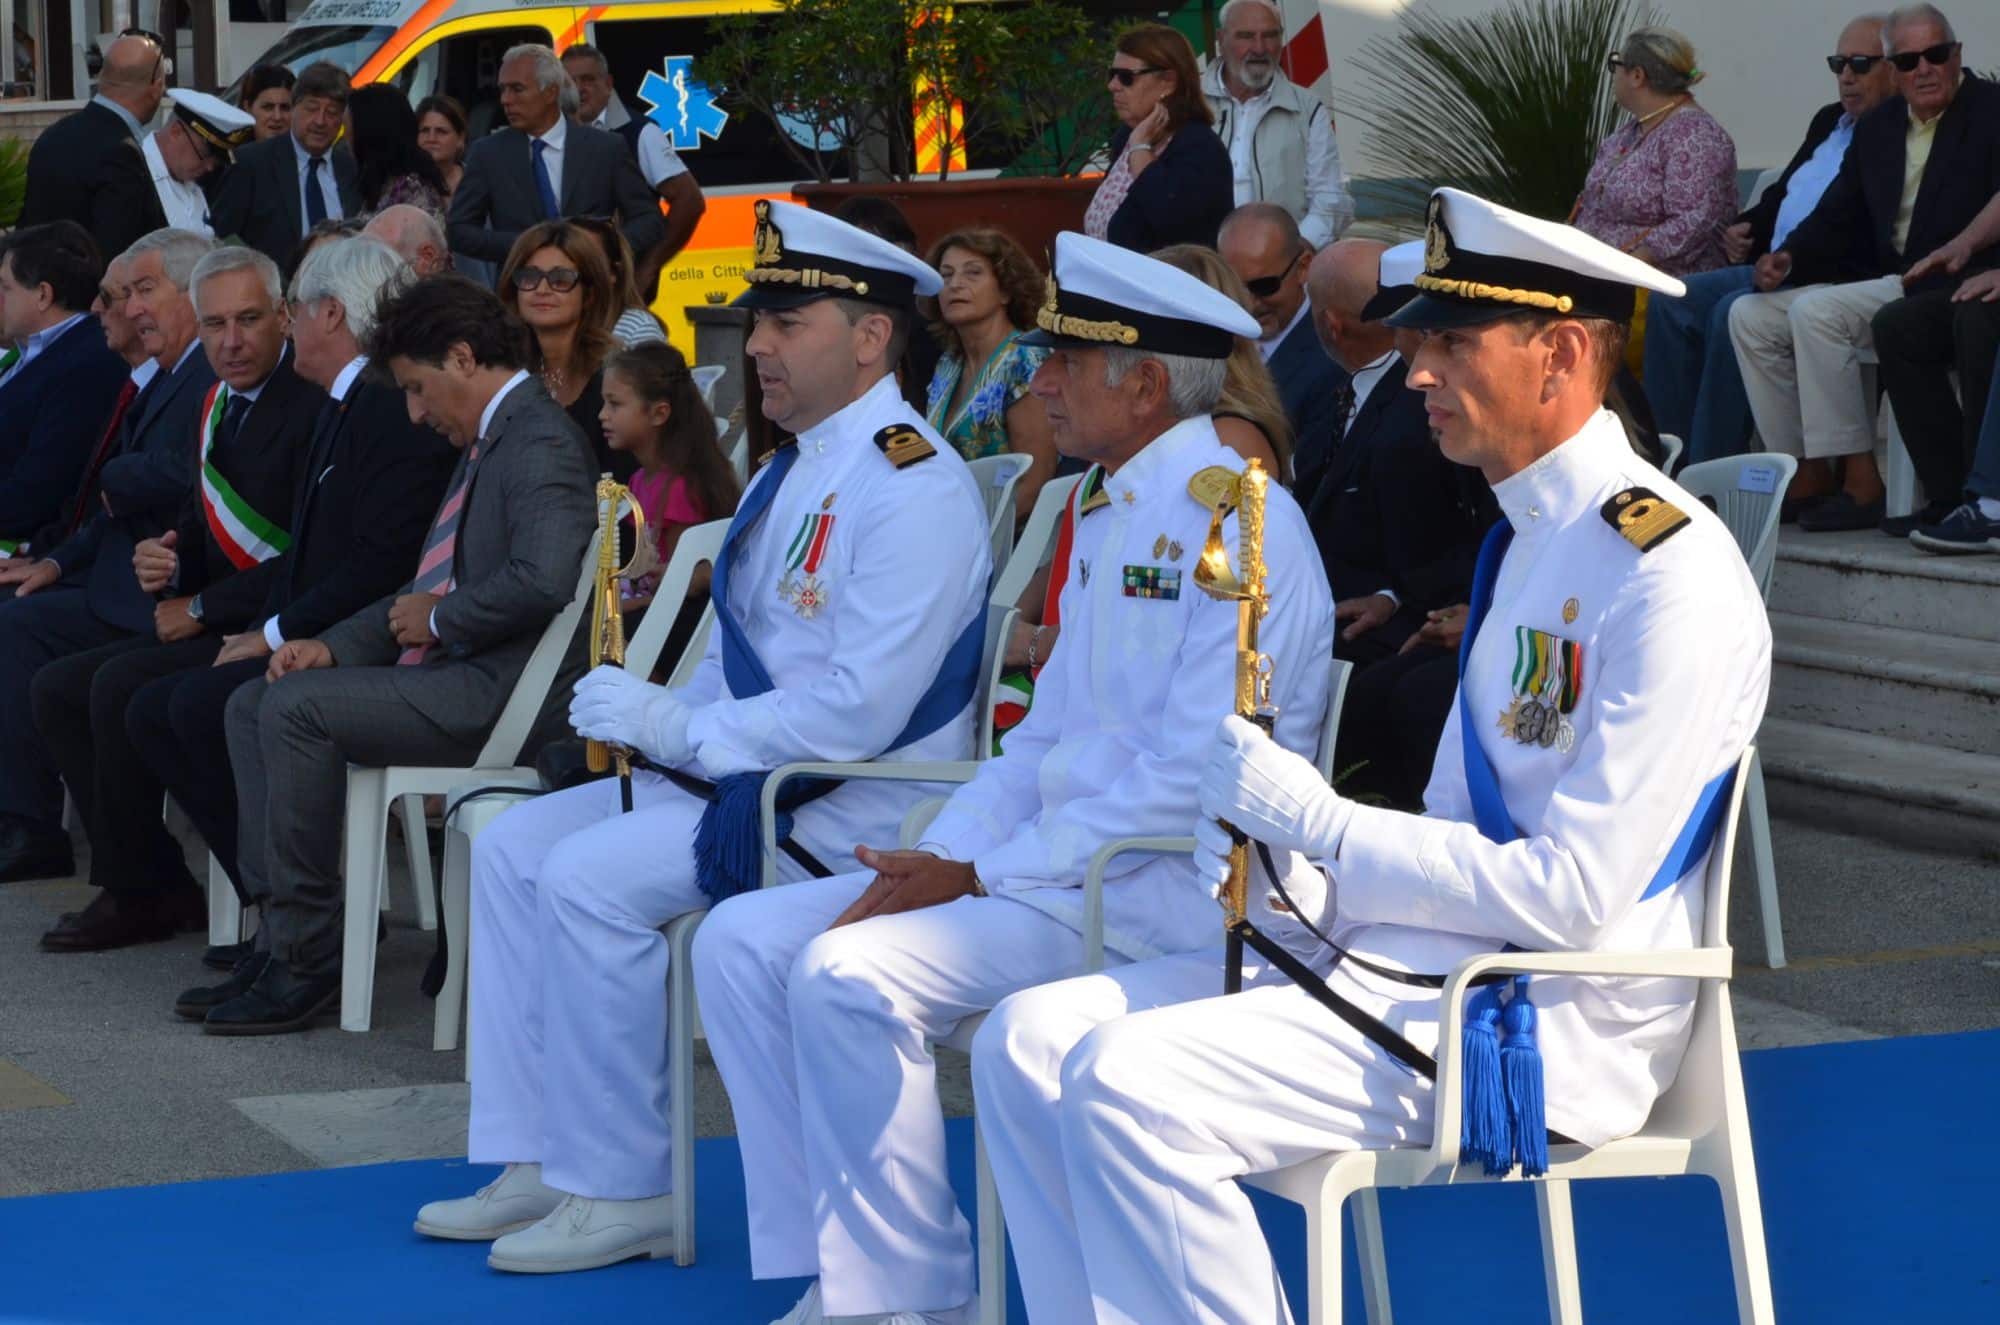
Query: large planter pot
x,y
1031,210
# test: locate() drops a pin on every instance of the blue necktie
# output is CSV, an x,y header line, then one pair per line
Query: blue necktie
x,y
551,211
315,196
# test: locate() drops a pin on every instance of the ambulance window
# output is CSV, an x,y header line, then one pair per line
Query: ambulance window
x,y
467,66
748,150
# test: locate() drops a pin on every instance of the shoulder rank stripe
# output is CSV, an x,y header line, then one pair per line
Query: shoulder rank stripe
x,y
903,445
1643,518
1090,494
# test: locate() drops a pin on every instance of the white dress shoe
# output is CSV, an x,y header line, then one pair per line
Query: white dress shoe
x,y
586,1234
964,1314
514,1200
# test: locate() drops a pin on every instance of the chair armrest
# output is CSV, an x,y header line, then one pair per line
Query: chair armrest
x,y
1683,963
1093,888
953,770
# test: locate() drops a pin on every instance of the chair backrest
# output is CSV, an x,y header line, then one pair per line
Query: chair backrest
x,y
998,475
531,689
739,458
1000,618
1670,452
702,542
1336,695
705,377
1748,491
1693,1105
1765,179
1031,549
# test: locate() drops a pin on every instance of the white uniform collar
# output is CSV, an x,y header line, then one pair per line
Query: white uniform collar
x,y
1568,481
343,382
852,419
1129,484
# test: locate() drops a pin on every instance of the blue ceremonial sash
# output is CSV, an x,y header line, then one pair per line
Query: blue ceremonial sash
x,y
726,847
1503,1114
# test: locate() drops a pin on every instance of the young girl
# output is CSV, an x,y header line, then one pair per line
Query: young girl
x,y
654,412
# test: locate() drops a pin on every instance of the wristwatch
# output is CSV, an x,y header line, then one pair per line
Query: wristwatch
x,y
978,888
194,609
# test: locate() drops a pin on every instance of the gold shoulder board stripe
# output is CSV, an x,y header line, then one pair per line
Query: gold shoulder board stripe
x,y
1643,518
903,445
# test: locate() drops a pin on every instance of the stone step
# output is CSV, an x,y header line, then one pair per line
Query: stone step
x,y
1938,690
1877,786
1879,581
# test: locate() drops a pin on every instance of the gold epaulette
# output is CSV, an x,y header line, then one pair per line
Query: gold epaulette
x,y
903,445
1643,518
1215,488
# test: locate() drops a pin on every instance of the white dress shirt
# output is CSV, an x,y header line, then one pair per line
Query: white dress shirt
x,y
329,191
185,205
1329,208
552,155
1269,345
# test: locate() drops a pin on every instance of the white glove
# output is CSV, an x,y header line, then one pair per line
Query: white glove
x,y
1271,794
611,704
1211,855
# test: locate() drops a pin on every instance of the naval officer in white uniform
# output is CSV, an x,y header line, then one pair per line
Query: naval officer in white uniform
x,y
850,606
821,998
200,137
1610,688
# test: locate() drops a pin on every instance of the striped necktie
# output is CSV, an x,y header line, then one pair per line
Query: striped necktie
x,y
434,568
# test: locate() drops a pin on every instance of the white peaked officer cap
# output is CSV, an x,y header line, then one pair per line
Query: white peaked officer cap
x,y
1102,295
213,120
803,255
1397,280
1483,261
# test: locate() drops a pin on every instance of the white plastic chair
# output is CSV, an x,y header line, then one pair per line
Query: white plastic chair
x,y
1700,1125
998,476
705,377
466,819
1670,452
1037,540
1747,491
373,792
739,458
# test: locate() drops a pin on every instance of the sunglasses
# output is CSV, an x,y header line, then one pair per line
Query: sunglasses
x,y
1612,64
1127,77
1935,56
561,279
1859,64
1266,286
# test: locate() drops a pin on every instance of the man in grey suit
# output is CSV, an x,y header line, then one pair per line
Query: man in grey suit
x,y
544,166
420,676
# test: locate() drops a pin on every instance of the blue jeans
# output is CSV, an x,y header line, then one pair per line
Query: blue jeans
x,y
1692,379
1984,481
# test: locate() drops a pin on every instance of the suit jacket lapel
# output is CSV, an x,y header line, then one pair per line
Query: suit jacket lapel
x,y
1379,399
291,190
571,172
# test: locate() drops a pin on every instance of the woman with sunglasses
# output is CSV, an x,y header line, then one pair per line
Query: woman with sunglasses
x,y
1170,180
556,281
1663,185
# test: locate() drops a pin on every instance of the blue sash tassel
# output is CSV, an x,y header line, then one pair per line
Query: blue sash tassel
x,y
1504,1121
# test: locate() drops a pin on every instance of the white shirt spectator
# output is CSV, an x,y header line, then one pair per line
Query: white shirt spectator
x,y
658,161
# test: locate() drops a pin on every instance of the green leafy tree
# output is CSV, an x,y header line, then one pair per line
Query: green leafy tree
x,y
13,179
1510,105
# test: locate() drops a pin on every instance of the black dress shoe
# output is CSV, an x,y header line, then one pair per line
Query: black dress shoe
x,y
112,920
1840,513
1902,526
277,1002
31,850
196,1004
225,956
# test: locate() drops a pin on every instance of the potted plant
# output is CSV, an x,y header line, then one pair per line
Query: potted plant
x,y
920,95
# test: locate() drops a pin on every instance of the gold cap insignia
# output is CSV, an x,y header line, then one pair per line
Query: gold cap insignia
x,y
1437,241
770,241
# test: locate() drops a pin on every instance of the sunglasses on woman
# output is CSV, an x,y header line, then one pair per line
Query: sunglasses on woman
x,y
1127,77
1935,56
561,279
1860,64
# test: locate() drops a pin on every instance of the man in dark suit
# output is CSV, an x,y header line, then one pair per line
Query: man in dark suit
x,y
58,381
370,483
1261,243
1398,525
544,166
1797,339
282,187
1692,381
251,435
88,168
419,676
83,593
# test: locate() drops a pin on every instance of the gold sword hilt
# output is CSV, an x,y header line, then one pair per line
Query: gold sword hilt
x,y
607,613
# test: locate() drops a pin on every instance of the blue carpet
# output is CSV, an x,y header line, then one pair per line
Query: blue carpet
x,y
1875,1214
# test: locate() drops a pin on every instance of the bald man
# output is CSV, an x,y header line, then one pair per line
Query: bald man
x,y
1398,525
88,168
415,234
1263,246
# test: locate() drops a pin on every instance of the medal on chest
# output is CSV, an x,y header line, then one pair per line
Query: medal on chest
x,y
1547,680
800,584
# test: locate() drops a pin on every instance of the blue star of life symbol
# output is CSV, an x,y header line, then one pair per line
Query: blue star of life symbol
x,y
684,109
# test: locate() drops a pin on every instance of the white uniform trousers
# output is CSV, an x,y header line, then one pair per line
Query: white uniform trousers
x,y
823,1039
1800,352
1119,1109
568,1007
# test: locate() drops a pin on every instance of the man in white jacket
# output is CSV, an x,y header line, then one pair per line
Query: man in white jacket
x,y
821,999
1614,669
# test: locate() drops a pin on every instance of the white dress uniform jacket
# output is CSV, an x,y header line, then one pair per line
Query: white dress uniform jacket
x,y
185,205
1112,745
